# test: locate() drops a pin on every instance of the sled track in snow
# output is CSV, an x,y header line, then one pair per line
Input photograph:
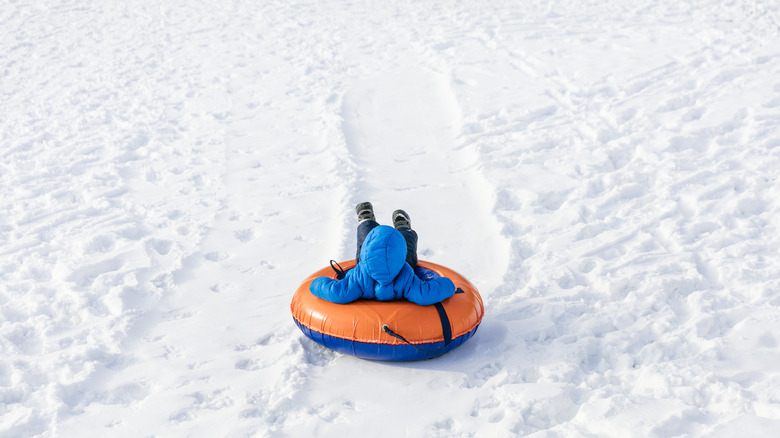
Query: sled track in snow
x,y
401,130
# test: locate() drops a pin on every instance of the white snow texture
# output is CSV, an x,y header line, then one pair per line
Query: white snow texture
x,y
605,172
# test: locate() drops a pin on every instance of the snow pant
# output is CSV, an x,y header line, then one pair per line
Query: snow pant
x,y
409,234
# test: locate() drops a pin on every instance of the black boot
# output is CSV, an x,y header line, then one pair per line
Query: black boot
x,y
365,212
401,219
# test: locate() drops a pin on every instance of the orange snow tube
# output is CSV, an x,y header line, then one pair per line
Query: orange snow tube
x,y
390,330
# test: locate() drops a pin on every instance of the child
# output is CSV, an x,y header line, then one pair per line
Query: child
x,y
385,257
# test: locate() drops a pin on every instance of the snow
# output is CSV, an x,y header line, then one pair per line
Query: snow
x,y
605,172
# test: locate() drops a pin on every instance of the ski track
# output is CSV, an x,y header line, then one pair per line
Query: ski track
x,y
171,171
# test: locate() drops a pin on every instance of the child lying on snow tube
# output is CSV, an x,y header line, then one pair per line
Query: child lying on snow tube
x,y
385,257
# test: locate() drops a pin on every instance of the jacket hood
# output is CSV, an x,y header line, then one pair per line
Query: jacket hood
x,y
383,254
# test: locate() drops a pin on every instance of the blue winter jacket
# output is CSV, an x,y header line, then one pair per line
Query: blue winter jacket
x,y
383,274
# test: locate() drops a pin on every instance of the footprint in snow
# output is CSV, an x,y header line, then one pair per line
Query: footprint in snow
x,y
161,247
244,235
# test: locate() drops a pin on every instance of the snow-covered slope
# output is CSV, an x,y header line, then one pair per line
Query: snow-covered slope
x,y
605,172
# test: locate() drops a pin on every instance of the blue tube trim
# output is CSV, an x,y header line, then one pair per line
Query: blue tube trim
x,y
379,351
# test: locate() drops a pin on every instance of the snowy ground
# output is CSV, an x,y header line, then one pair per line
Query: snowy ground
x,y
606,172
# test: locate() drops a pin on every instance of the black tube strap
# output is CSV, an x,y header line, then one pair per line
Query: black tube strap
x,y
446,329
340,272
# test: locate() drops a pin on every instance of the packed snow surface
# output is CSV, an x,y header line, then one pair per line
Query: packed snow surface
x,y
605,172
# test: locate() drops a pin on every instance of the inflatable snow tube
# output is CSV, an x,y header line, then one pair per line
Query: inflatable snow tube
x,y
390,330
